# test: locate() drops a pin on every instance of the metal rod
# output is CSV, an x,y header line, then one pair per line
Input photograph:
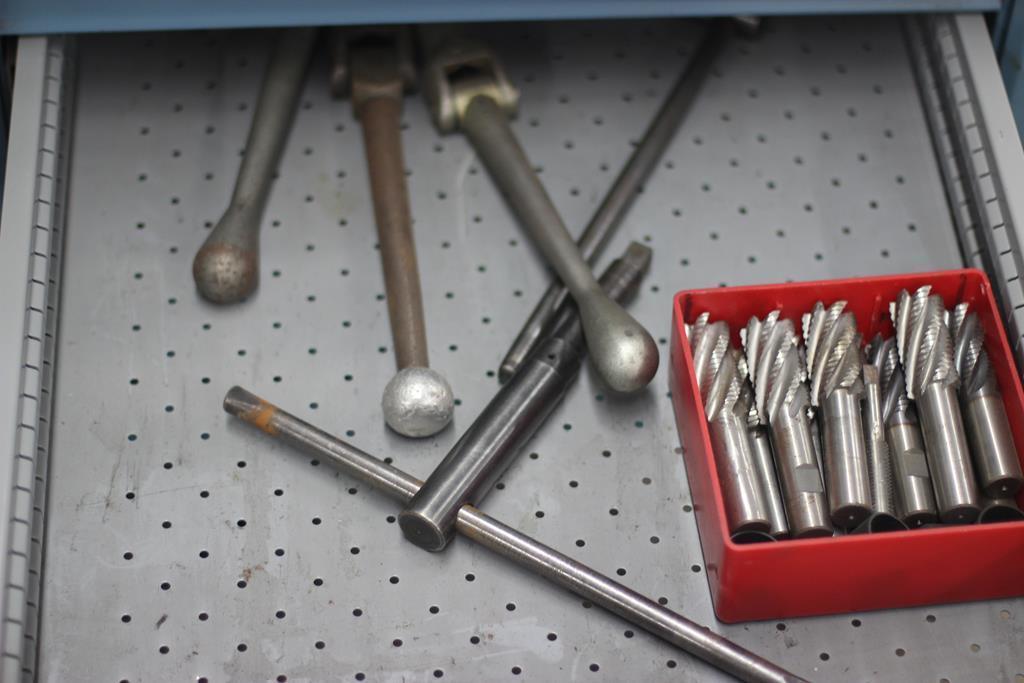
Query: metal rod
x,y
227,267
623,352
522,550
623,191
515,413
418,401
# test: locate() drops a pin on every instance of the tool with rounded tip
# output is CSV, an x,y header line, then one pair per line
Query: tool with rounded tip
x,y
926,353
515,413
988,429
782,402
417,401
999,510
227,267
715,364
764,459
467,89
518,548
642,161
913,483
836,386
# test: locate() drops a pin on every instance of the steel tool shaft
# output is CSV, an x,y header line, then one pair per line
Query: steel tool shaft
x,y
721,381
227,267
999,510
926,354
782,403
886,515
418,401
764,457
513,545
623,191
519,408
467,93
911,479
834,364
988,428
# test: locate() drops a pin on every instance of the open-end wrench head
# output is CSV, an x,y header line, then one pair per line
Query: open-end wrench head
x,y
459,70
345,39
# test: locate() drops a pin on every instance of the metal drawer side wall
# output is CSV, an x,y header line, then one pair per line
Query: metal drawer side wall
x,y
979,151
30,245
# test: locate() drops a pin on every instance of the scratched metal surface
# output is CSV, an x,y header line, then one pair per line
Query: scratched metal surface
x,y
807,156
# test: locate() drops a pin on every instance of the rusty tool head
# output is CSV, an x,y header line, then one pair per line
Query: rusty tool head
x,y
345,43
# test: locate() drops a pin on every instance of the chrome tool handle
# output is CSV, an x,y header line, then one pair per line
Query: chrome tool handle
x,y
623,191
226,268
623,351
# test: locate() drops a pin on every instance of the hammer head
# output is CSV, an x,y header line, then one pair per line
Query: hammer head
x,y
346,41
458,70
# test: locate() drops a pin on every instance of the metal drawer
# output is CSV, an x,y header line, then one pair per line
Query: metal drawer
x,y
829,147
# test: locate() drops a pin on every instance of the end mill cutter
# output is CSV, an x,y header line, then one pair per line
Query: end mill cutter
x,y
926,353
715,364
417,401
886,515
227,267
517,410
836,387
988,429
467,89
911,479
783,403
764,458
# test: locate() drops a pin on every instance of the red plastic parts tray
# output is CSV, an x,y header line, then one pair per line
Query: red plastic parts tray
x,y
795,578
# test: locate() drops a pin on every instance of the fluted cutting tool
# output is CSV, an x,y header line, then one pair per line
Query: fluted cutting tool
x,y
884,504
782,401
988,429
720,381
764,459
836,387
913,483
926,353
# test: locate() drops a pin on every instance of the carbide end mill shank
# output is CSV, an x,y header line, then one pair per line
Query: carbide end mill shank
x,y
834,363
926,353
782,402
988,428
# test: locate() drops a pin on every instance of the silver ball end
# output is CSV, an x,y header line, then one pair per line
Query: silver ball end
x,y
225,273
418,402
